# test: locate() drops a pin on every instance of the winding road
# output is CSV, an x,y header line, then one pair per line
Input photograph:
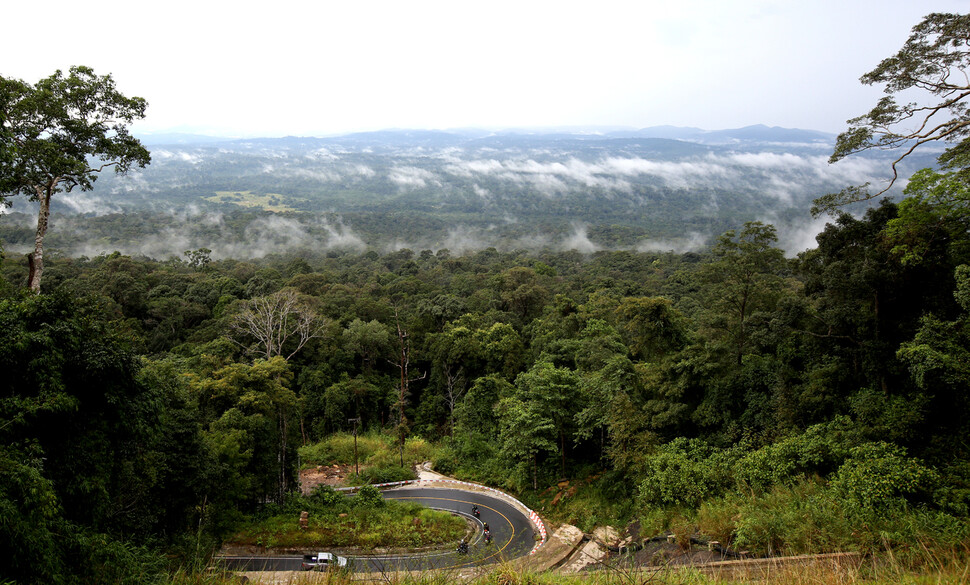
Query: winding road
x,y
513,535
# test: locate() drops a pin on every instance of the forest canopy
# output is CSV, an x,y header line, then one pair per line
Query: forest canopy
x,y
775,403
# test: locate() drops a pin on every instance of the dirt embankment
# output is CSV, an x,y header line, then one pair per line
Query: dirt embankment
x,y
332,475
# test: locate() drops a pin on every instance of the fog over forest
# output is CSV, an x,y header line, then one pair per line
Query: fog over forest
x,y
661,189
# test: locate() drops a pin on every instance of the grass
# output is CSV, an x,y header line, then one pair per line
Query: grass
x,y
395,524
595,499
378,454
876,571
267,202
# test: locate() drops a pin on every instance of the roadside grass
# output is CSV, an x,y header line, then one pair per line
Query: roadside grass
x,y
594,499
377,453
878,570
346,524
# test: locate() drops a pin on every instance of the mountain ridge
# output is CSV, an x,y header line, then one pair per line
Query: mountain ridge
x,y
757,133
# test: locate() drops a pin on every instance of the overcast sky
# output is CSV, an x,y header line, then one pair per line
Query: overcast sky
x,y
289,67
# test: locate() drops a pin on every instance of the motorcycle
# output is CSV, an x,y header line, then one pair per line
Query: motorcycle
x,y
475,512
462,548
488,537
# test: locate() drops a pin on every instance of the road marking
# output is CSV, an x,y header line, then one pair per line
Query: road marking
x,y
496,553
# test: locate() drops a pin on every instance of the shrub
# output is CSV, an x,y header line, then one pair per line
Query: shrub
x,y
718,518
384,474
369,497
879,476
325,496
683,473
339,448
821,449
792,519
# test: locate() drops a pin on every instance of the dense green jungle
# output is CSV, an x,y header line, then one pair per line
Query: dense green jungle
x,y
779,404
613,329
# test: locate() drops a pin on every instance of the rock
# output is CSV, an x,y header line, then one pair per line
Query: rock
x,y
607,535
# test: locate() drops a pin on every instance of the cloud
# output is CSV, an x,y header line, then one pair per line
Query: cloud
x,y
462,239
85,203
163,156
412,177
795,238
579,241
783,176
271,234
693,241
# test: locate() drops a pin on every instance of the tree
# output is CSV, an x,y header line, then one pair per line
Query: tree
x,y
933,225
451,350
248,410
367,339
60,134
554,392
938,358
525,431
933,61
651,326
743,280
281,322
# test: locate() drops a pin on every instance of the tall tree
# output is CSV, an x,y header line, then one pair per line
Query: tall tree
x,y
60,134
281,323
744,279
553,392
932,64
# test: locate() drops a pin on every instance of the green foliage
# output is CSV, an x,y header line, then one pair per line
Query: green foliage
x,y
724,390
820,450
369,496
683,472
931,62
802,518
880,477
324,496
365,520
932,219
339,448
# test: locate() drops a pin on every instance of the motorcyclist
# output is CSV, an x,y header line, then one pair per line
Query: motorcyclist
x,y
462,547
475,511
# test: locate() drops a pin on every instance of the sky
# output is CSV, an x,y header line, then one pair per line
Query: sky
x,y
324,67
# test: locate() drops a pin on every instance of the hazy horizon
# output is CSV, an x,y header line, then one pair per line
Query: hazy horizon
x,y
299,68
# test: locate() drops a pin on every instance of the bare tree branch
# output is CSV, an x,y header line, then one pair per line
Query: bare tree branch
x,y
280,322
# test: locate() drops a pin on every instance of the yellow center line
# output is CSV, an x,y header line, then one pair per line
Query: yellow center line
x,y
496,553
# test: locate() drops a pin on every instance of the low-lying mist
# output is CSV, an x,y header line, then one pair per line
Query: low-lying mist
x,y
254,198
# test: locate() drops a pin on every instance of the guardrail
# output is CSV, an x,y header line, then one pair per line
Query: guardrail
x,y
533,516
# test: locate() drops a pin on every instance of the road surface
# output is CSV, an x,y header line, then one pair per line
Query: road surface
x,y
512,536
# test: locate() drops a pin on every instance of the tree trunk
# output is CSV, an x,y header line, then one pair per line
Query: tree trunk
x,y
283,479
562,449
36,260
535,472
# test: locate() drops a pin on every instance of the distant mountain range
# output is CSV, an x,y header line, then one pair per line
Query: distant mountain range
x,y
757,134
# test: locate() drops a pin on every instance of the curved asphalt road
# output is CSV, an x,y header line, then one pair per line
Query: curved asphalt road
x,y
512,536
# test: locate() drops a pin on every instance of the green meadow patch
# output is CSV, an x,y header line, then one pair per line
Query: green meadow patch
x,y
267,201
